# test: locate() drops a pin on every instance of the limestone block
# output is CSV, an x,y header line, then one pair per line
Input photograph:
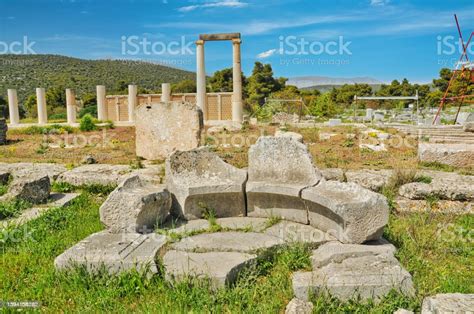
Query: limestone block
x,y
370,179
448,303
347,211
165,127
238,223
367,277
200,181
297,306
468,127
135,206
27,168
232,241
457,155
95,174
293,135
221,268
279,168
114,252
34,188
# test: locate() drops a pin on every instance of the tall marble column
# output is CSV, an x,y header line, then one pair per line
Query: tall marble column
x,y
71,106
13,107
201,98
237,105
132,102
101,103
41,104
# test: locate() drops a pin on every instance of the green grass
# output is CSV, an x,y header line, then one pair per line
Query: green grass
x,y
3,189
12,208
436,249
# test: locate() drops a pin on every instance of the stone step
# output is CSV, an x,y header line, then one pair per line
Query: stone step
x,y
221,268
114,252
244,242
350,271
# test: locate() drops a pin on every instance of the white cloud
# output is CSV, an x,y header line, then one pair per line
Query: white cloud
x,y
266,54
214,4
379,2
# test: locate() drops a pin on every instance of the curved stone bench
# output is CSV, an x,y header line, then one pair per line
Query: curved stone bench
x,y
347,211
200,181
279,169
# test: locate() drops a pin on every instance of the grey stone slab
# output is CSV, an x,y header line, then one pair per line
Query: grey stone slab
x,y
95,174
33,188
336,252
347,211
164,127
370,179
292,232
366,277
448,303
115,252
456,154
297,306
200,181
293,135
251,223
245,242
135,205
28,168
221,268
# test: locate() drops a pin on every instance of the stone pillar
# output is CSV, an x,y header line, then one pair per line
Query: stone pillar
x,y
41,104
71,106
201,97
13,107
237,106
132,102
165,92
101,103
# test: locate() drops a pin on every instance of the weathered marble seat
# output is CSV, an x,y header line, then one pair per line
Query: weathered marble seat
x,y
279,169
347,211
200,181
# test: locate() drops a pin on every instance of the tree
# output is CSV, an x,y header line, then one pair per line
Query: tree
x,y
345,94
30,106
56,100
3,108
221,81
185,86
323,106
262,83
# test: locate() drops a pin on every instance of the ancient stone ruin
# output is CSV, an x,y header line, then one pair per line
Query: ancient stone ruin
x,y
164,127
343,222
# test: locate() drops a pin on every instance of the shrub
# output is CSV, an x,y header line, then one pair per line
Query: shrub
x,y
12,208
87,124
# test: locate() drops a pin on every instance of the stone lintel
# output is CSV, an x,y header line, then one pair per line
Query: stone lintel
x,y
214,37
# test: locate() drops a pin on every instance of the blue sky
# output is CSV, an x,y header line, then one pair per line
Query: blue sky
x,y
383,39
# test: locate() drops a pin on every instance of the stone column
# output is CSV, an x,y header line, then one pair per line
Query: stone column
x,y
237,106
13,107
71,106
41,104
132,102
101,103
201,98
165,92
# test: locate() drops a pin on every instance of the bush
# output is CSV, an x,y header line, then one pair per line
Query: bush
x,y
58,116
12,208
87,123
92,110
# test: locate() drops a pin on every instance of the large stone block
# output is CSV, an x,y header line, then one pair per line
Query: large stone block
x,y
200,181
165,127
347,211
348,271
220,268
135,206
448,303
373,180
457,155
95,174
34,188
279,169
115,252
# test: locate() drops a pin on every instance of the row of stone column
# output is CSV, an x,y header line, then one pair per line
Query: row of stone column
x,y
71,103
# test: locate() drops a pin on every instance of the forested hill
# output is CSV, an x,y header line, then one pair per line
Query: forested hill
x,y
26,72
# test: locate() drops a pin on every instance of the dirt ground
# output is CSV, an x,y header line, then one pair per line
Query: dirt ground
x,y
117,146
